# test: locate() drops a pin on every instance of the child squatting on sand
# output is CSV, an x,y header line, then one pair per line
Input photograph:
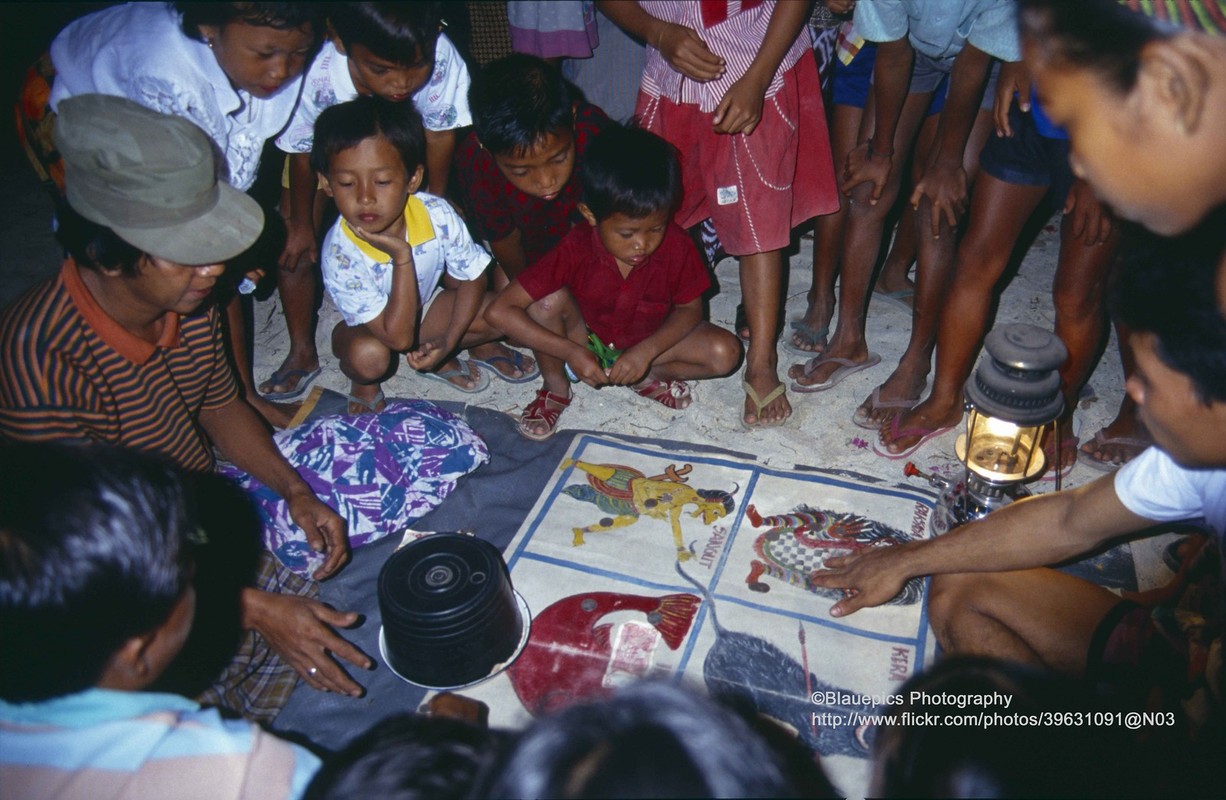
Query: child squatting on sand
x,y
383,260
618,301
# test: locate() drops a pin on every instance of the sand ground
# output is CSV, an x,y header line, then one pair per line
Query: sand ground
x,y
819,434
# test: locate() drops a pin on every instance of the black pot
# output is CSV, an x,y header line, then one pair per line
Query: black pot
x,y
449,611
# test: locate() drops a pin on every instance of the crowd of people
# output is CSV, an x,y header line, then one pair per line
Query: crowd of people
x,y
550,227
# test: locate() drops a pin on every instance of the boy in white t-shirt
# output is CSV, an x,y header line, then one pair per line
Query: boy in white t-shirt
x,y
394,51
384,259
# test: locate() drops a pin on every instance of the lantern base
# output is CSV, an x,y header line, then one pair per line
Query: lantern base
x,y
969,500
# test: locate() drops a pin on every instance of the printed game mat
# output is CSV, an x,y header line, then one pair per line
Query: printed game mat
x,y
638,562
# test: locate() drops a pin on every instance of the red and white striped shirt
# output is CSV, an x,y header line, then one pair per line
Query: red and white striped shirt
x,y
735,33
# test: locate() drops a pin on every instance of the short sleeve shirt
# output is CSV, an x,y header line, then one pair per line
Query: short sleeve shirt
x,y
498,208
138,51
69,371
1153,486
621,311
442,101
939,28
358,276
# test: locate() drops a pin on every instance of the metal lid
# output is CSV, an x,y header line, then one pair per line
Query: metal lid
x,y
1017,378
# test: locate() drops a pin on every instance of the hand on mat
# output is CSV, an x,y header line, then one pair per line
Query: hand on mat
x,y
325,531
586,366
863,169
1089,219
740,110
869,578
686,52
301,631
946,189
629,368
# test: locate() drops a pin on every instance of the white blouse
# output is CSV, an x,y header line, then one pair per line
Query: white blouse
x,y
139,51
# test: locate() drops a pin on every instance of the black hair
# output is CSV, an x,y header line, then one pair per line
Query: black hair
x,y
93,551
517,101
1165,286
408,757
93,245
651,739
346,125
403,33
281,16
948,752
630,171
1099,35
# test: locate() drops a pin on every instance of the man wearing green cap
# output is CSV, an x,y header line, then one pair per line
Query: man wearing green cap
x,y
122,347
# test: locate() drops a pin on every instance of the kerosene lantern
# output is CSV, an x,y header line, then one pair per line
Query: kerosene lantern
x,y
1013,395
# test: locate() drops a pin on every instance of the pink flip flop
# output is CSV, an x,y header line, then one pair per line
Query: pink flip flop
x,y
895,433
846,368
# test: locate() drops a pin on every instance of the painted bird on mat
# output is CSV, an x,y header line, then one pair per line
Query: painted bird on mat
x,y
570,648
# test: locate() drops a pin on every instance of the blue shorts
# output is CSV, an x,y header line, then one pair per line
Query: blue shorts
x,y
852,81
1028,158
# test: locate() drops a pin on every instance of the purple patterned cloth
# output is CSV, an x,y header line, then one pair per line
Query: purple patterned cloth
x,y
378,471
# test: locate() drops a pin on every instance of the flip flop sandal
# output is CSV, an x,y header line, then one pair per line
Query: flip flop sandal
x,y
814,337
761,403
667,393
463,371
1101,440
516,361
861,416
846,368
897,299
545,407
372,406
303,379
896,433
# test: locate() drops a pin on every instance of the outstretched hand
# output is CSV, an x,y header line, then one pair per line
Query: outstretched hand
x,y
868,578
301,631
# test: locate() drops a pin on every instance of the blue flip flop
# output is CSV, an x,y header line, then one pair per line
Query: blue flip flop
x,y
305,378
481,377
516,360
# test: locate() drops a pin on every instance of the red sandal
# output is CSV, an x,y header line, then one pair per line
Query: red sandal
x,y
672,394
545,407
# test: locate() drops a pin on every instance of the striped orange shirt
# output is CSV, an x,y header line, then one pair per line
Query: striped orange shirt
x,y
69,371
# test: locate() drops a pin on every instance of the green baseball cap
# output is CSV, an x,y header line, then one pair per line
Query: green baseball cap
x,y
151,178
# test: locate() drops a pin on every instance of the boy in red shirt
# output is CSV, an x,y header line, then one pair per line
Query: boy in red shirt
x,y
619,300
519,168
